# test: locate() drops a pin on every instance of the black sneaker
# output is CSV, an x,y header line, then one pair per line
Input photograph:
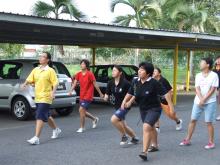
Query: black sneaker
x,y
153,149
134,140
143,156
124,140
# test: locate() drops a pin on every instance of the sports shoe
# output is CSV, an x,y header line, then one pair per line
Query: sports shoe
x,y
185,143
153,149
218,118
158,129
180,125
34,140
134,140
124,140
56,133
143,156
95,122
80,130
210,146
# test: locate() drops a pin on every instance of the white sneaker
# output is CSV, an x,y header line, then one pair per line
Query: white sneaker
x,y
180,125
95,122
34,140
218,118
56,133
157,129
80,130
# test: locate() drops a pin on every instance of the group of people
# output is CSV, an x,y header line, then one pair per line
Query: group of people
x,y
151,91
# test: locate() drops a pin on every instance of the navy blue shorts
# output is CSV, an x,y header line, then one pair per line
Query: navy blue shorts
x,y
150,116
121,113
42,111
85,104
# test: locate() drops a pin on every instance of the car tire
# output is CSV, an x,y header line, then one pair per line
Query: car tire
x,y
21,109
65,111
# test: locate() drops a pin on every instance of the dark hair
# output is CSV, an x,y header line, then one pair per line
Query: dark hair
x,y
217,57
148,67
208,61
49,57
158,69
119,68
86,62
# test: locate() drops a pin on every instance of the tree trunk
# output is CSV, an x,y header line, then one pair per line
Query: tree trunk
x,y
136,57
191,67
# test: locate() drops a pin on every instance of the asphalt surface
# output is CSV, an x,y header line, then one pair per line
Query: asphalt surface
x,y
101,146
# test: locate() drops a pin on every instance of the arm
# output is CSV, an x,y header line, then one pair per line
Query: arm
x,y
73,86
29,80
128,100
198,93
98,89
206,97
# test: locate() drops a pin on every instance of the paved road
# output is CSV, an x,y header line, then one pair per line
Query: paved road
x,y
101,146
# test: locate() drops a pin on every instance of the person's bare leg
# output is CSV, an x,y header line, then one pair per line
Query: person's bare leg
x,y
82,113
210,132
154,134
128,130
52,123
118,125
39,127
191,129
172,116
147,130
89,115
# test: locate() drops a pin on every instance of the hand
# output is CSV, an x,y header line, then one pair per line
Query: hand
x,y
70,93
52,95
128,104
105,98
201,103
23,86
101,95
123,105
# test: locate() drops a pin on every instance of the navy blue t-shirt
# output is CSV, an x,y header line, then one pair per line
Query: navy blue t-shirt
x,y
117,92
147,94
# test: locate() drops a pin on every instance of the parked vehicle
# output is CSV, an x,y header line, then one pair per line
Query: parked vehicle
x,y
103,74
21,102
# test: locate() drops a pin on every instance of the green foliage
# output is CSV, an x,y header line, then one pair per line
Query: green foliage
x,y
58,7
11,50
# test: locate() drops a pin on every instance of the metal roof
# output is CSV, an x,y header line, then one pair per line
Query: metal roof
x,y
15,28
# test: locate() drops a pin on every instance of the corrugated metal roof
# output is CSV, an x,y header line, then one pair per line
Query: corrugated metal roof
x,y
19,28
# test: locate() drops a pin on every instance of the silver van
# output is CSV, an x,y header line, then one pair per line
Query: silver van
x,y
21,102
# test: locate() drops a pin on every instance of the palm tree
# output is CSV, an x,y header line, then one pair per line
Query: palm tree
x,y
55,9
144,14
194,17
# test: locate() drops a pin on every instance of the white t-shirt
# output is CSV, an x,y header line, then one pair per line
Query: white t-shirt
x,y
205,83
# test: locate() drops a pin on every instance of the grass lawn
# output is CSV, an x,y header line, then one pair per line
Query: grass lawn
x,y
73,69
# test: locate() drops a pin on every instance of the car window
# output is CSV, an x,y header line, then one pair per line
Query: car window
x,y
103,74
10,70
129,70
58,67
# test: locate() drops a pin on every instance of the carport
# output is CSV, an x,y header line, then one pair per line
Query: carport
x,y
25,29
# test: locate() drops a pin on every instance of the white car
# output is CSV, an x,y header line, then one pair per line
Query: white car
x,y
21,102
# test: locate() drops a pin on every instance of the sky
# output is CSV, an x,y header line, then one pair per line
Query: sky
x,y
96,10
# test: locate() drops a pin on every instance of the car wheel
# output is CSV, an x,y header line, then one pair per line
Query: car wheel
x,y
65,111
21,108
